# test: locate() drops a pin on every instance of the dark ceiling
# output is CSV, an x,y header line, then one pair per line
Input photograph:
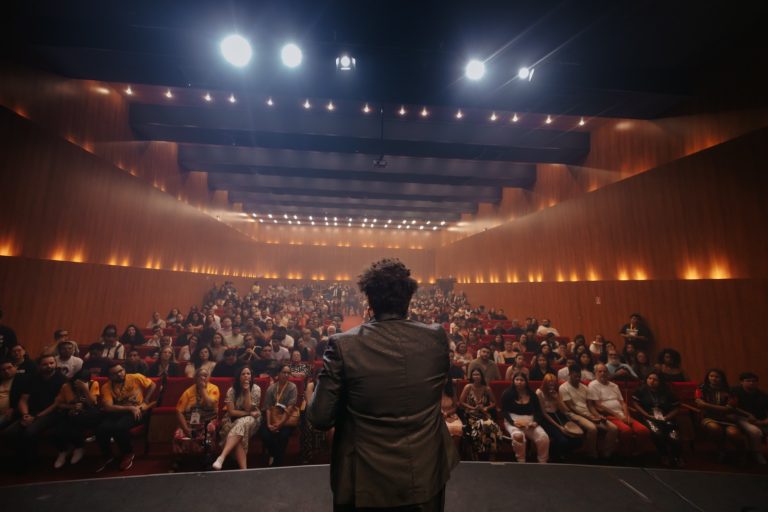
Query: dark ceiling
x,y
593,59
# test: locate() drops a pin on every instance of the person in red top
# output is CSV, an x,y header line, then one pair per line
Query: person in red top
x,y
124,404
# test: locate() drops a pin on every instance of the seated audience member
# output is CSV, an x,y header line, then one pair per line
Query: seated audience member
x,y
197,412
309,346
132,337
559,356
235,339
173,317
562,373
66,360
186,351
200,359
217,347
719,419
280,406
124,405
450,412
7,338
578,341
518,366
241,420
156,321
636,332
564,434
182,339
545,328
455,371
752,408
264,334
227,366
299,368
642,365
515,329
135,364
597,348
156,339
226,326
541,368
669,365
94,360
462,356
522,419
36,409
618,370
497,330
658,408
480,408
485,364
247,352
265,365
279,352
529,341
629,353
77,413
600,435
11,387
606,398
24,365
587,368
196,321
165,366
506,356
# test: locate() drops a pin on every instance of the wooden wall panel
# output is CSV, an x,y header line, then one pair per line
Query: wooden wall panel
x,y
711,322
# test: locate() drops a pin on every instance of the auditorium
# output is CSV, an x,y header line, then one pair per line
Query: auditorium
x,y
193,193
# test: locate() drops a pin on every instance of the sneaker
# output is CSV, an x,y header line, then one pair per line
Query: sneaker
x,y
77,455
105,464
60,460
218,464
127,462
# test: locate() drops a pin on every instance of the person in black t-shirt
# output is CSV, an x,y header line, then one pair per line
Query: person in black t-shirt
x,y
228,366
24,365
752,405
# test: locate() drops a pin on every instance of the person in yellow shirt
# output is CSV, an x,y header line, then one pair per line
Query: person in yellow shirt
x,y
124,404
197,411
77,412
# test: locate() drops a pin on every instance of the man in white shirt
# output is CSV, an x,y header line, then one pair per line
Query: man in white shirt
x,y
234,339
546,328
66,362
605,396
600,435
279,352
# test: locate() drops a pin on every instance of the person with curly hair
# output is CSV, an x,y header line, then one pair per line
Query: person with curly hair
x,y
670,365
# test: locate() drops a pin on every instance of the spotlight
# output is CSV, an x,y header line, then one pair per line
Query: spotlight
x,y
459,115
129,91
307,104
310,217
207,97
295,216
582,122
365,220
413,221
232,98
269,215
525,73
270,102
549,120
261,220
168,94
236,50
274,220
330,106
389,221
285,215
475,69
442,223
366,109
401,111
291,55
493,116
345,63
515,118
434,228
424,112
335,219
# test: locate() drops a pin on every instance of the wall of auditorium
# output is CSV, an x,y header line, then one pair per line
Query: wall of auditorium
x,y
681,244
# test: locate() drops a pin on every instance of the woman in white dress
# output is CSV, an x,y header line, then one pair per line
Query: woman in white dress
x,y
242,420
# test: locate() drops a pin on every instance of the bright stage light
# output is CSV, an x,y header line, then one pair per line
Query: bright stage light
x,y
345,63
525,73
236,50
475,69
291,55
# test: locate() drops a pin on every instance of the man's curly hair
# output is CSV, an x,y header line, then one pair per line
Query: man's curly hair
x,y
389,287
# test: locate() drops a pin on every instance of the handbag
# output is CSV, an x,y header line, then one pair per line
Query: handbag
x,y
279,412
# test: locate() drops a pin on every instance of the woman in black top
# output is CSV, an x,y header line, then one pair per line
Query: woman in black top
x,y
658,408
165,364
541,368
522,418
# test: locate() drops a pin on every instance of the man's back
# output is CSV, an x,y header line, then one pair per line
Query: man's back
x,y
381,387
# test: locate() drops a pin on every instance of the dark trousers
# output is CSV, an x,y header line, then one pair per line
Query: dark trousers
x,y
664,435
116,425
25,438
436,504
71,429
275,442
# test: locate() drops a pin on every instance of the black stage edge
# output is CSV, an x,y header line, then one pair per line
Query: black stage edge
x,y
474,486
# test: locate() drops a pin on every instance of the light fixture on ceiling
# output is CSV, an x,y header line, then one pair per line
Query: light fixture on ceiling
x,y
270,102
168,94
307,104
291,55
515,118
330,106
232,98
402,110
236,50
459,114
493,116
269,215
548,120
424,112
475,69
285,215
582,122
525,73
345,63
129,91
366,109
442,223
434,228
208,97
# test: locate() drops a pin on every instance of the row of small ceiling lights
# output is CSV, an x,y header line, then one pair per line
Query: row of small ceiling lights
x,y
328,221
366,109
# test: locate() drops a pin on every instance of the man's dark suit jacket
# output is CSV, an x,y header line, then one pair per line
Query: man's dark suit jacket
x,y
381,386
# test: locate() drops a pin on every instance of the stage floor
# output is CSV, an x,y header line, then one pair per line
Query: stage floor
x,y
474,486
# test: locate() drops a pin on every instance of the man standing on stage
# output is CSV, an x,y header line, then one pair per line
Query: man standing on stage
x,y
380,387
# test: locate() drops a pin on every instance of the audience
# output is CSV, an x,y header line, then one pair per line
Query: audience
x,y
479,405
20,359
282,416
719,418
637,333
197,412
66,360
11,386
77,413
200,359
564,434
751,405
242,419
669,365
658,408
522,418
485,364
600,435
165,366
135,364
